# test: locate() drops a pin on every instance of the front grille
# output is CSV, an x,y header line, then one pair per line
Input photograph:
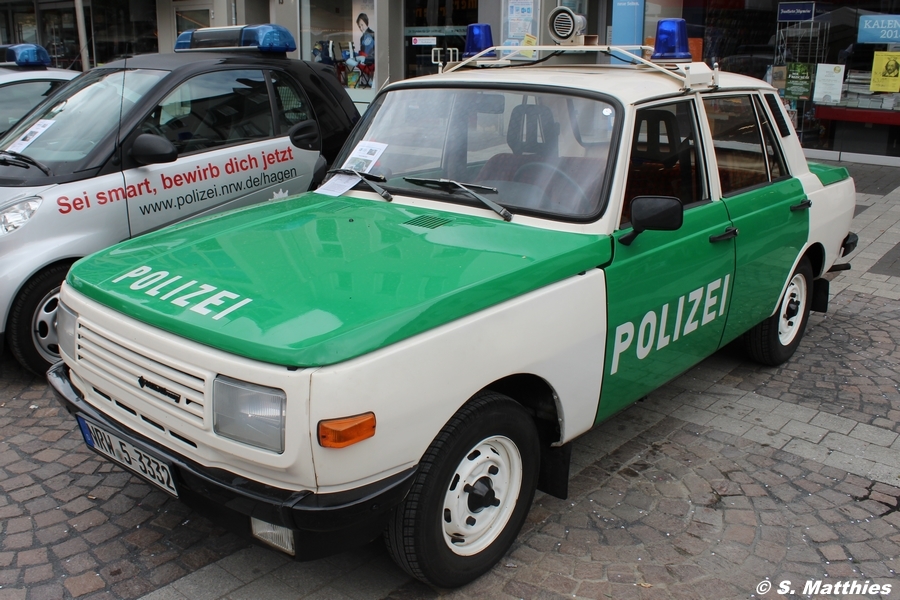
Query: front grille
x,y
159,381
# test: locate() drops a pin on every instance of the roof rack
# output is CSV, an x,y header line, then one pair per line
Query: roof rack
x,y
692,76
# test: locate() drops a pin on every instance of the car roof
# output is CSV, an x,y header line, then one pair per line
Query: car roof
x,y
11,74
627,83
171,61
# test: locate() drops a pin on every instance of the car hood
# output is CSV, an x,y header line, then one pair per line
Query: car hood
x,y
317,280
9,194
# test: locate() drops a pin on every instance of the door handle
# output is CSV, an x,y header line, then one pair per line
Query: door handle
x,y
802,206
730,232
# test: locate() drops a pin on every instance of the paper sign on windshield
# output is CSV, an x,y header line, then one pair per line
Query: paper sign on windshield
x,y
29,136
364,156
337,185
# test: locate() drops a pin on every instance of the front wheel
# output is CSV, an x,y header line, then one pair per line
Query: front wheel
x,y
775,340
471,495
32,320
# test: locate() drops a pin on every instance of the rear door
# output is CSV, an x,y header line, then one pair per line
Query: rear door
x,y
668,291
230,130
766,205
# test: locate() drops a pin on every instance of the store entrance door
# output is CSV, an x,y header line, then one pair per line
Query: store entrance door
x,y
428,24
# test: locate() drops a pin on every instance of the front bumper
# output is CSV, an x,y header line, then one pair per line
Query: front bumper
x,y
322,523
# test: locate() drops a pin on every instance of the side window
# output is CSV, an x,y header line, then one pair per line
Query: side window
x,y
737,142
290,105
665,156
212,110
775,104
18,98
773,149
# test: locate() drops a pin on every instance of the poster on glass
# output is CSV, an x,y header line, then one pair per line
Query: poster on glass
x,y
344,35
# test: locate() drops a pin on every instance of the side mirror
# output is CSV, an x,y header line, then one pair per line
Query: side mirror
x,y
654,213
150,149
305,135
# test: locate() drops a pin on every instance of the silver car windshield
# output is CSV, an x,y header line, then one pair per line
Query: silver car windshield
x,y
543,152
62,132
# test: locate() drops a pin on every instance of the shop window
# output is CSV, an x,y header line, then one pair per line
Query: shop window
x,y
343,34
212,110
736,140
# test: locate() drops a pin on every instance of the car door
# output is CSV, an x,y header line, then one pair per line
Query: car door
x,y
667,291
229,128
766,205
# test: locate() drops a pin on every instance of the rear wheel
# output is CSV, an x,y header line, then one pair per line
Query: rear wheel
x,y
32,320
775,340
471,495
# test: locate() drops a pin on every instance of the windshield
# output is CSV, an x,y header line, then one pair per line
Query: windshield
x,y
63,132
542,152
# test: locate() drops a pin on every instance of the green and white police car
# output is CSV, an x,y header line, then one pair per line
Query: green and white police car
x,y
507,257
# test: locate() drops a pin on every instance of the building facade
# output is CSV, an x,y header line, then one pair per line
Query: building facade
x,y
835,64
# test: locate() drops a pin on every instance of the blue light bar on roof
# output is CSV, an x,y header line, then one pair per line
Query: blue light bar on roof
x,y
671,41
25,55
478,38
265,38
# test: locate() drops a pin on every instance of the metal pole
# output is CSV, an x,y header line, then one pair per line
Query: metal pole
x,y
82,35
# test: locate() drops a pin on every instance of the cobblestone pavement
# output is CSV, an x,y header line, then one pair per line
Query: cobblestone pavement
x,y
732,475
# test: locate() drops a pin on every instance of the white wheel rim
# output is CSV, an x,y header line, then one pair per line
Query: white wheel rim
x,y
482,495
43,327
792,310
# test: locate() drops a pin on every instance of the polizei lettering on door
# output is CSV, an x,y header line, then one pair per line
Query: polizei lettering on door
x,y
199,296
691,311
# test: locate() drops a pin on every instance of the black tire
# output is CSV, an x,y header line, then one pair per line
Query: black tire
x,y
31,328
417,532
775,340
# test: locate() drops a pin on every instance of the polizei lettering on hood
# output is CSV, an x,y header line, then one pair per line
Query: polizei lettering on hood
x,y
202,298
691,312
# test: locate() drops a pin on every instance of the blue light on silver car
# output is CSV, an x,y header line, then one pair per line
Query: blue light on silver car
x,y
25,55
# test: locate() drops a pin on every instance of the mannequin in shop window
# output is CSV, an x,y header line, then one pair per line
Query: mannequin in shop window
x,y
366,59
367,39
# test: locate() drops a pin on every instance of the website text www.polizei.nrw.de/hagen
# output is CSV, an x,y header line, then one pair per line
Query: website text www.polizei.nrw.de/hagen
x,y
226,189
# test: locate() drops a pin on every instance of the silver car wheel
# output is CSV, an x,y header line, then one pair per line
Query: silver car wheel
x,y
43,326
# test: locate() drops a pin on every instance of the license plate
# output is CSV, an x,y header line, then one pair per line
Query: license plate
x,y
125,454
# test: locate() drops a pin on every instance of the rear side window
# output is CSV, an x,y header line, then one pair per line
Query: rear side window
x,y
737,143
773,147
290,105
775,105
212,110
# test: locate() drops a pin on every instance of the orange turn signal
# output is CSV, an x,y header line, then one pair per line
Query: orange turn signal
x,y
340,433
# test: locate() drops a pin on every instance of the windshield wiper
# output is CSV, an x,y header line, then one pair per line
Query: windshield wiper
x,y
466,187
369,179
27,160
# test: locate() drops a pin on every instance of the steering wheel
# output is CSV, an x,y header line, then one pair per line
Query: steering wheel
x,y
554,171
